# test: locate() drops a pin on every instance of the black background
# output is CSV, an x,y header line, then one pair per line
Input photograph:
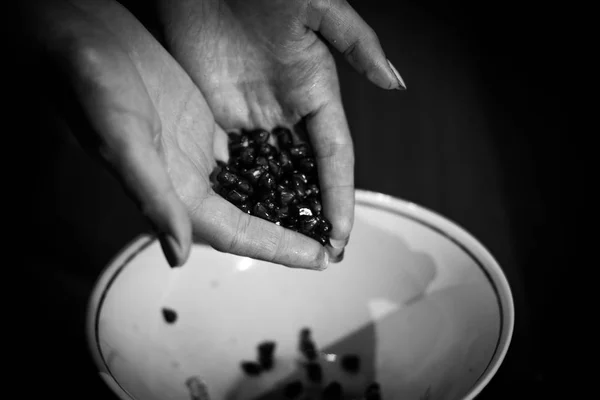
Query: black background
x,y
478,136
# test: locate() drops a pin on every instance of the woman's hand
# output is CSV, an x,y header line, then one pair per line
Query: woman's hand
x,y
264,63
151,125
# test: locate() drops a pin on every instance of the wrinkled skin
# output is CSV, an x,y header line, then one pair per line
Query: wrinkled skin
x,y
261,63
157,120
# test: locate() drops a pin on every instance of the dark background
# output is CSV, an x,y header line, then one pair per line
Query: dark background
x,y
478,137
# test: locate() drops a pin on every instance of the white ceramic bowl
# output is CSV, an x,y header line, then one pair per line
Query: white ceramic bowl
x,y
421,301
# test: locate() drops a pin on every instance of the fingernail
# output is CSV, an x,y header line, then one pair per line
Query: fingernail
x,y
401,84
171,250
339,244
336,255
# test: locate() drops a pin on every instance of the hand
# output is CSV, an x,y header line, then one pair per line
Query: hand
x,y
262,63
152,127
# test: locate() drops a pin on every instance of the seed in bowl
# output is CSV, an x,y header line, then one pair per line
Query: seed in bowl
x,y
307,345
316,376
266,352
277,183
251,368
169,315
373,392
314,372
333,391
293,390
197,388
350,363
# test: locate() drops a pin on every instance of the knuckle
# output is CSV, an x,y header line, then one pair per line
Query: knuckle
x,y
220,246
277,246
90,60
88,56
369,36
236,243
221,243
350,51
269,246
254,239
322,7
360,47
337,148
104,70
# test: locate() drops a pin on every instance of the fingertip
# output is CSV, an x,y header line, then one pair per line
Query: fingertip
x,y
184,234
338,205
183,247
336,248
350,34
381,72
176,246
300,251
339,244
320,262
171,249
171,221
324,260
336,255
342,223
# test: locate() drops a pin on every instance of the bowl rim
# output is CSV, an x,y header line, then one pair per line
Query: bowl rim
x,y
406,209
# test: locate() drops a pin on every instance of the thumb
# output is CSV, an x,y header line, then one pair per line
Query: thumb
x,y
126,134
345,30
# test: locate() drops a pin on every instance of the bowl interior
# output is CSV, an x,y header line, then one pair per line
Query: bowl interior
x,y
421,303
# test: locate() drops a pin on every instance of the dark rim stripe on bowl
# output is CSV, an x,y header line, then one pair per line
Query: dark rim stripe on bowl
x,y
112,279
361,202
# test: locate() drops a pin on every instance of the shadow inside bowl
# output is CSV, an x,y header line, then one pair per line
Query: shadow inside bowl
x,y
361,343
413,302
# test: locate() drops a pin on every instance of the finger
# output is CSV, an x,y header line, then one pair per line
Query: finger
x,y
228,229
128,131
330,137
345,30
108,97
